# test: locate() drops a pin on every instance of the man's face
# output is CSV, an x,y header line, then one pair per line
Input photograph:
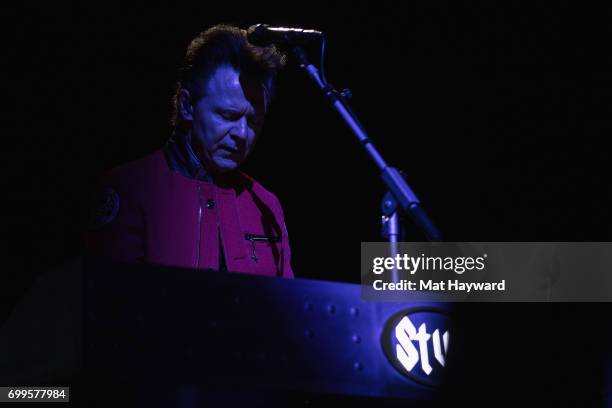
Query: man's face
x,y
227,119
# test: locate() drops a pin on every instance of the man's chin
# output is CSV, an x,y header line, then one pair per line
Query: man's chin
x,y
225,165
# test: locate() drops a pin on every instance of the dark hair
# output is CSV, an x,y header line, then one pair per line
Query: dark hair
x,y
224,45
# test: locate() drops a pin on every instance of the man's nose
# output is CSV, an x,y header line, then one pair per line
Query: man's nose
x,y
241,128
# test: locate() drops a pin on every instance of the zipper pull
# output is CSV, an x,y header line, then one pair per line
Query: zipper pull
x,y
250,237
258,238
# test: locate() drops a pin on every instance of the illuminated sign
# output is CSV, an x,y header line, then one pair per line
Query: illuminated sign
x,y
415,342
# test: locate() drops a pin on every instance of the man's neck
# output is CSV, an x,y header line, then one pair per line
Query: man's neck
x,y
181,157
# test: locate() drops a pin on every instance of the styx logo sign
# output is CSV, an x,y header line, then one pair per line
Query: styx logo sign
x,y
416,342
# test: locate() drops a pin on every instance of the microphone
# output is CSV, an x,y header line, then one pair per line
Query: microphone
x,y
263,35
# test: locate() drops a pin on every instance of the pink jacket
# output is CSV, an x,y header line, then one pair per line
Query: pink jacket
x,y
157,216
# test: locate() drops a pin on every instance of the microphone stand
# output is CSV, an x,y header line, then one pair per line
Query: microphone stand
x,y
400,195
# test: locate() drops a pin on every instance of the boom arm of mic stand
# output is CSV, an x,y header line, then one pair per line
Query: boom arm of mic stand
x,y
399,188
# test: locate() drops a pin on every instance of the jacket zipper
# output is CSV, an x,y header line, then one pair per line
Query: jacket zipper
x,y
197,262
258,238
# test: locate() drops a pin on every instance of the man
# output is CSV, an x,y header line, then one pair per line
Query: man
x,y
188,205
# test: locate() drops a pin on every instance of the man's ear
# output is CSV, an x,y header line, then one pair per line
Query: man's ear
x,y
185,107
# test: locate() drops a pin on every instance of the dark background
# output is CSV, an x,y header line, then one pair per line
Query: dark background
x,y
497,113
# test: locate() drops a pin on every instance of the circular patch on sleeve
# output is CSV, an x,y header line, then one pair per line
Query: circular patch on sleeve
x,y
106,208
